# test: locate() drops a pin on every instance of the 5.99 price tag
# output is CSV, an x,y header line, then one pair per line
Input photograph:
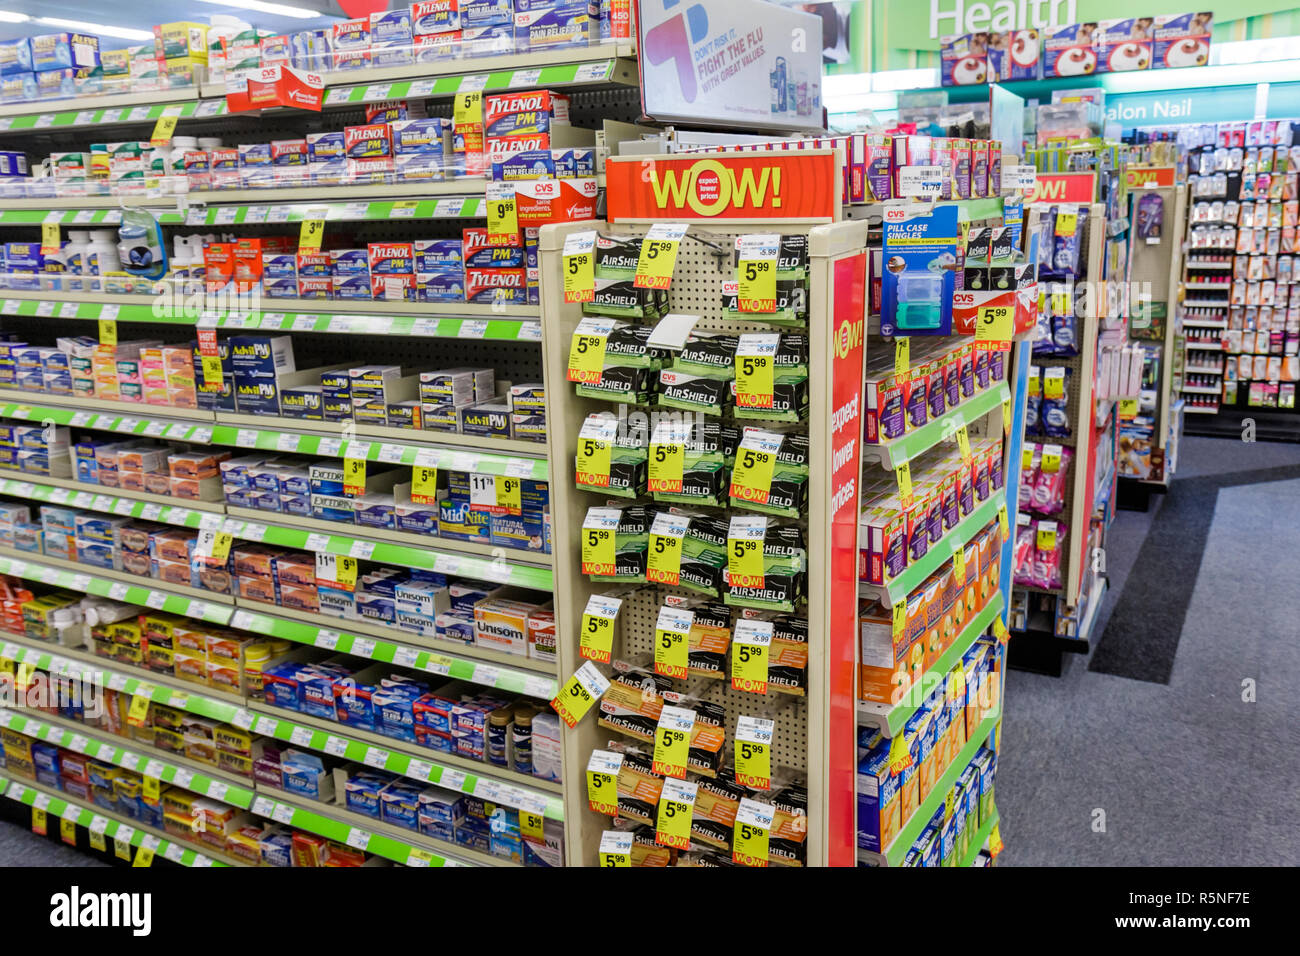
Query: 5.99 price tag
x,y
664,559
756,272
751,645
672,641
583,688
599,530
654,268
602,781
756,370
579,265
753,749
751,478
672,741
587,350
598,621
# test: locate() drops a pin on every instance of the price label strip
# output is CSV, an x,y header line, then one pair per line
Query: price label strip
x,y
751,644
675,812
752,830
756,371
668,456
672,641
751,478
664,559
654,267
595,443
672,741
599,537
602,781
587,350
753,749
756,272
583,688
579,264
598,623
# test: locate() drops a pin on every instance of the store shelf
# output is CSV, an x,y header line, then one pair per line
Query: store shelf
x,y
104,405
1224,287
85,305
147,761
1205,346
143,107
1202,324
471,777
894,853
1201,389
1203,369
978,839
916,572
892,453
86,656
117,586
890,720
1198,410
1208,265
111,825
126,504
446,664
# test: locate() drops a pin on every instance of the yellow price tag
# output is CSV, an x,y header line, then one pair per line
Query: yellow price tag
x,y
899,618
672,642
995,841
754,382
745,562
591,464
502,219
672,741
1000,630
751,478
143,857
139,711
1051,460
211,365
673,822
532,826
749,836
757,285
345,571
23,679
963,444
354,476
608,859
596,641
654,267
753,765
900,755
602,783
1006,416
424,856
1046,535
1067,223
97,841
598,549
959,564
221,543
664,557
749,666
579,693
424,485
1128,407
163,130
152,789
509,494
310,235
108,332
902,356
667,466
578,264
122,848
51,238
1004,523
467,109
903,472
994,327
39,825
587,354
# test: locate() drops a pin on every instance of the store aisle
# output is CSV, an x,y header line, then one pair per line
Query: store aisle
x,y
1178,762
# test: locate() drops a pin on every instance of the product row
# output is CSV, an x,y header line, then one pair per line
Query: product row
x,y
1047,402
1264,341
941,376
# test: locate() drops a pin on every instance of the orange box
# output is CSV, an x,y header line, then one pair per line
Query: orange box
x,y
172,545
933,644
218,265
882,672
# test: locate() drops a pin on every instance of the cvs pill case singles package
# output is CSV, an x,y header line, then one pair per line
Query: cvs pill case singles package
x,y
918,275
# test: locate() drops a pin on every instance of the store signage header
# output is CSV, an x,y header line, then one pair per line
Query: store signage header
x,y
1063,187
956,16
776,186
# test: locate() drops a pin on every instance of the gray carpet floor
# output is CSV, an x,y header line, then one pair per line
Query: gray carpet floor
x,y
1101,770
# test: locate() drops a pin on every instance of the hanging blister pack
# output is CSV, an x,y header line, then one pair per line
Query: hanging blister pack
x,y
1055,414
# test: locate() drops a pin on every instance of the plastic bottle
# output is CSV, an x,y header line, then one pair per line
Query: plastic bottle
x,y
181,145
101,257
75,259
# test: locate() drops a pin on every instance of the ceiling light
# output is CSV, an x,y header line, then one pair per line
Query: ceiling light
x,y
274,9
122,33
7,17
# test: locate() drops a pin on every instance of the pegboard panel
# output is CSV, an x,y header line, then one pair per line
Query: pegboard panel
x,y
638,616
589,108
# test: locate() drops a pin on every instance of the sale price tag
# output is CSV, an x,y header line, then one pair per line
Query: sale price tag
x,y
138,713
994,328
672,641
495,494
424,485
354,476
672,741
756,370
1067,222
579,692
751,644
587,350
664,560
668,456
599,530
654,267
598,620
595,442
310,235
336,571
750,835
1046,535
756,272
959,563
902,356
745,535
676,809
963,445
751,478
754,752
163,130
615,848
903,472
1051,461
51,238
214,545
602,781
502,219
579,265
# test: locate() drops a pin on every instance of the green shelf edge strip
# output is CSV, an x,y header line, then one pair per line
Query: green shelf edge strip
x,y
562,73
84,818
103,750
467,207
109,504
141,113
938,793
972,210
203,433
927,436
301,735
901,586
978,838
971,633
